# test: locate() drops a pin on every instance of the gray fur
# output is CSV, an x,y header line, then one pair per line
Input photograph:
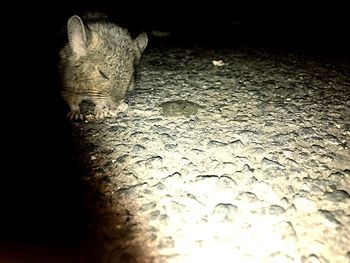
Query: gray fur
x,y
97,64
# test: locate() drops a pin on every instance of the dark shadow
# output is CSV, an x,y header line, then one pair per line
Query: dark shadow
x,y
43,214
48,210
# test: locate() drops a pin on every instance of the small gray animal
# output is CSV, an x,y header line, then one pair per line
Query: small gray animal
x,y
97,64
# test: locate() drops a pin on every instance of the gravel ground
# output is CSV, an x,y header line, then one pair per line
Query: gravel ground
x,y
227,154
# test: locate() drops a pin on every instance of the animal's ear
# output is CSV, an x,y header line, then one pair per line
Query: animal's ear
x,y
77,35
141,41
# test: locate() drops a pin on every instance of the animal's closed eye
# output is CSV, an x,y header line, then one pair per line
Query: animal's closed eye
x,y
104,75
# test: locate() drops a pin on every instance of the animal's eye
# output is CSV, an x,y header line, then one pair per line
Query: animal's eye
x,y
103,74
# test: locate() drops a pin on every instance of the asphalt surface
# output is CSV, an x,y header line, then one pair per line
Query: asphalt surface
x,y
226,153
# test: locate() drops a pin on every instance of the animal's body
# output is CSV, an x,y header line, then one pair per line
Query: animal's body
x,y
97,64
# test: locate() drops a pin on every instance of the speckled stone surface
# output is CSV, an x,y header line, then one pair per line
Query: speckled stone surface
x,y
258,172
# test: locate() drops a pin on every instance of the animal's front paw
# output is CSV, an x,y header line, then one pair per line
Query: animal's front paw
x,y
113,111
122,107
74,115
101,113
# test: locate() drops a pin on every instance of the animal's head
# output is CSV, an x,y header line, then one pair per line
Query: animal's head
x,y
100,55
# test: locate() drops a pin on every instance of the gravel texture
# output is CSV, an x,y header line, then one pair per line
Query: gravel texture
x,y
246,160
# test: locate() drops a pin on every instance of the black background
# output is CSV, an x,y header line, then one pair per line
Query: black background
x,y
313,24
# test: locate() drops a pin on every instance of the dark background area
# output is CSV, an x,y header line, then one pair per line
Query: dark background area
x,y
42,199
312,24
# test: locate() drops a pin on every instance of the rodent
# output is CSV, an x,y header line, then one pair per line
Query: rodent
x,y
97,64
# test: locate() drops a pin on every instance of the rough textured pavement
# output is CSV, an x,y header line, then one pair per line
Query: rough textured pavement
x,y
244,160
